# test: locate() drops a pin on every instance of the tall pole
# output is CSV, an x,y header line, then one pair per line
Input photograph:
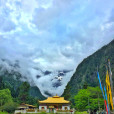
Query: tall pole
x,y
108,101
88,104
108,108
98,102
111,81
110,75
102,91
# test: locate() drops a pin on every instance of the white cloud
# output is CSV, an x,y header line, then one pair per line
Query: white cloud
x,y
53,34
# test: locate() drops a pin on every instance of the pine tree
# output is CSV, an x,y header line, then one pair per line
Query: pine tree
x,y
24,92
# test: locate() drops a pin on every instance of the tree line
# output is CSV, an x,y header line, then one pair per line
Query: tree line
x,y
87,99
10,98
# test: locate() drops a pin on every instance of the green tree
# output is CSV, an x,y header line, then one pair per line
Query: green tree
x,y
85,85
24,92
67,94
33,101
6,85
1,83
5,96
90,98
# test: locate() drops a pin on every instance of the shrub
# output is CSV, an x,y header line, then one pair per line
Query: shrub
x,y
9,107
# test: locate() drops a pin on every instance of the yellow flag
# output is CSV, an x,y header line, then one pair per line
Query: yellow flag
x,y
109,93
107,86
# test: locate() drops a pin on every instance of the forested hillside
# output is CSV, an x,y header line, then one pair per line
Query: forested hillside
x,y
86,72
13,80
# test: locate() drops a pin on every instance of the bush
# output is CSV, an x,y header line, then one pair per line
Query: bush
x,y
9,107
5,96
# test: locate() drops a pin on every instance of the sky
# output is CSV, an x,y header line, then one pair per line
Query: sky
x,y
53,34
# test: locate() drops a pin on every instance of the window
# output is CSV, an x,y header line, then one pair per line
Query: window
x,y
66,108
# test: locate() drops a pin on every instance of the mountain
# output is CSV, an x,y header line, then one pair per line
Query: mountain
x,y
86,72
12,78
50,82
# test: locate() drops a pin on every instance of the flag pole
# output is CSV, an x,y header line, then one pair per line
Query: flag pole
x,y
111,85
102,91
107,90
107,100
110,75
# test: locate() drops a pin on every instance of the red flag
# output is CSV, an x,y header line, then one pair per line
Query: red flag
x,y
106,106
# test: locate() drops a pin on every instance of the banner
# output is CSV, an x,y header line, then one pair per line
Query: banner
x,y
106,100
109,93
100,84
102,91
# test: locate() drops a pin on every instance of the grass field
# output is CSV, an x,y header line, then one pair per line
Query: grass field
x,y
3,113
85,112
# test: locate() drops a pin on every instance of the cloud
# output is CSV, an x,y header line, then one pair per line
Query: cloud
x,y
53,34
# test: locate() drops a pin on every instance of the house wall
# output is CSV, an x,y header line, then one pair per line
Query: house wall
x,y
19,111
65,107
45,107
40,107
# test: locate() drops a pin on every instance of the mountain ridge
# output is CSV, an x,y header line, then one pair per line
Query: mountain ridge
x,y
13,79
86,72
14,74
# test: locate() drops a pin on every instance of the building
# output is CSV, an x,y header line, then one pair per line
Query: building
x,y
54,103
25,108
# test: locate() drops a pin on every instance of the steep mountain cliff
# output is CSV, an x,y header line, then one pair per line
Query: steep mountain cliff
x,y
86,72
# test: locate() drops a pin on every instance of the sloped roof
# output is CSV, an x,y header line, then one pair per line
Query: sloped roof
x,y
30,105
54,99
23,105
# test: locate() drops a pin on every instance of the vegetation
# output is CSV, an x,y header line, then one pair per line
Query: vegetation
x,y
9,103
3,112
9,107
12,81
78,91
14,92
24,92
67,94
90,98
86,71
84,112
5,96
6,101
39,113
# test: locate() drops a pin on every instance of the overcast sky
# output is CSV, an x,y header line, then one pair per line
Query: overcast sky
x,y
54,34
